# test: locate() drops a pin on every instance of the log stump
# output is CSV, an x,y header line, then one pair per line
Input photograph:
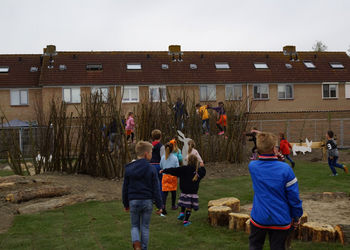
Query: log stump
x,y
218,215
303,219
343,233
237,221
231,202
317,232
247,226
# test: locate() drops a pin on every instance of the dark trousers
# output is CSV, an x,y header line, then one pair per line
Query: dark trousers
x,y
333,164
257,237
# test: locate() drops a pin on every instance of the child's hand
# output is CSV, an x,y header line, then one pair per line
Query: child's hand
x,y
159,211
296,223
331,157
201,164
126,209
161,171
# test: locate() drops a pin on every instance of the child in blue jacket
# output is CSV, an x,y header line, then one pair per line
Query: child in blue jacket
x,y
276,204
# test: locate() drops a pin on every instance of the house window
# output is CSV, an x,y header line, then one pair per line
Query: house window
x,y
347,90
330,90
34,69
261,91
207,93
336,65
63,67
102,91
285,91
133,66
222,65
130,94
309,65
165,66
19,97
71,95
94,67
193,66
157,92
288,66
4,69
261,66
233,92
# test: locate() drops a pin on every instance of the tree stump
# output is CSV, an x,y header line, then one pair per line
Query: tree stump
x,y
303,219
247,226
33,193
317,232
231,202
218,215
237,221
343,233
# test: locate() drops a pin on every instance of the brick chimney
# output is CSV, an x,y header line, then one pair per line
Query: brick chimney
x,y
289,49
175,52
50,50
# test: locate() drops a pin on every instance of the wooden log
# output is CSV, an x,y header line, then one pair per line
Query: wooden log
x,y
231,202
317,232
12,178
237,221
218,215
343,233
40,192
6,184
247,226
303,219
55,203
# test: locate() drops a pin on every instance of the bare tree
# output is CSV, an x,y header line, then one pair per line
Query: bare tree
x,y
319,46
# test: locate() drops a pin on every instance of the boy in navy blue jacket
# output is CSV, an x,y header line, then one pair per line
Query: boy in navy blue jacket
x,y
140,189
276,205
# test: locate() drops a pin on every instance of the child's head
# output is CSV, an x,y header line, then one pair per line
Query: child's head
x,y
193,161
168,149
281,135
191,145
131,114
156,134
198,105
144,150
330,134
266,142
221,104
174,143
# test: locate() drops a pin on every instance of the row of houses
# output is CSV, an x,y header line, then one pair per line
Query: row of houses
x,y
282,82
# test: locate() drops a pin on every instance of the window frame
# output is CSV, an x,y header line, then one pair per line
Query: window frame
x,y
207,99
261,98
71,95
329,90
128,88
193,66
20,103
309,67
157,87
227,98
95,89
218,66
94,67
4,69
332,64
285,98
132,66
257,65
347,90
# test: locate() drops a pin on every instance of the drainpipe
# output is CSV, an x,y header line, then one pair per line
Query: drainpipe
x,y
248,107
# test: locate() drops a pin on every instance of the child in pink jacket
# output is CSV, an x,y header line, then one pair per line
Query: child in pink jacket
x,y
130,126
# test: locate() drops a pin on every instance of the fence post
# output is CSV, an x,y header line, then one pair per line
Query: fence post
x,y
20,139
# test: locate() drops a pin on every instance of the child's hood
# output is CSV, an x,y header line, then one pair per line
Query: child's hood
x,y
138,169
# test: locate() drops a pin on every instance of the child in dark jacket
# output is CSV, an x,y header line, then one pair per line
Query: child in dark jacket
x,y
190,177
140,190
333,154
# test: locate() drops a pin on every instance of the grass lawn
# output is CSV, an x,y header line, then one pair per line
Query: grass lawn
x,y
104,225
5,173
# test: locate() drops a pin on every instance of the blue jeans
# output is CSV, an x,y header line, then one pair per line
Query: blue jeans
x,y
289,159
205,126
333,164
140,215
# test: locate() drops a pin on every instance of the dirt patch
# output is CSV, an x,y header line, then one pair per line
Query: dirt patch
x,y
327,208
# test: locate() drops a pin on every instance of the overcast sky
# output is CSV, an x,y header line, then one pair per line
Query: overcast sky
x,y
27,26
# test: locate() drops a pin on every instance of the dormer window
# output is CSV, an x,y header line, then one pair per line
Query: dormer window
x,y
309,65
34,69
94,67
165,66
222,65
261,66
133,66
4,69
336,65
63,67
193,66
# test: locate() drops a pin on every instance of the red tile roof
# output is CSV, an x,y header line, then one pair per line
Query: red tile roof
x,y
242,68
19,74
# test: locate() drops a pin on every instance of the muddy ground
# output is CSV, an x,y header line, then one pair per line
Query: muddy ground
x,y
84,188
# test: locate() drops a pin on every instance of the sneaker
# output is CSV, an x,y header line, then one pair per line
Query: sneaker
x,y
334,174
174,207
221,133
164,212
346,170
162,215
187,223
181,216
